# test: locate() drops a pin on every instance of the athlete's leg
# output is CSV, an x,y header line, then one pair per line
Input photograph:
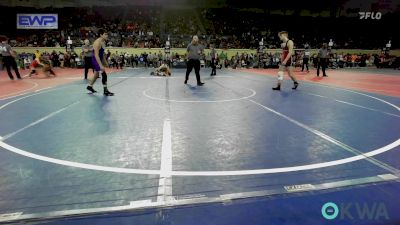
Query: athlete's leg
x,y
292,76
280,78
104,81
90,86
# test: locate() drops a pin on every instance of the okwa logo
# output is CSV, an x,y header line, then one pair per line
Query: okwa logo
x,y
355,210
370,15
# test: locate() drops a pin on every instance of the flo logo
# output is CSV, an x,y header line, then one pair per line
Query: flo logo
x,y
370,15
350,211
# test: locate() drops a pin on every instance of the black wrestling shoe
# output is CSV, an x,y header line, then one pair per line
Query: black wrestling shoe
x,y
295,85
108,93
185,82
90,88
200,84
277,88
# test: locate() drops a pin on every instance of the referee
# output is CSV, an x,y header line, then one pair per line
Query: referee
x,y
213,61
8,57
194,53
323,59
87,53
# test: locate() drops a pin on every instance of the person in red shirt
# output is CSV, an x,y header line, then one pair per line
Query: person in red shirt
x,y
46,67
34,65
286,60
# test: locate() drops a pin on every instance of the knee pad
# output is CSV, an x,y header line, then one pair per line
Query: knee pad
x,y
280,75
104,77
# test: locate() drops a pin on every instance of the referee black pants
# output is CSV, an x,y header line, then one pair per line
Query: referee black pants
x,y
9,62
193,63
305,63
88,64
322,64
213,66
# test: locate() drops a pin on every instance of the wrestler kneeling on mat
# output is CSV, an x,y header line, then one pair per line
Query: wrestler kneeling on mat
x,y
46,67
286,63
163,70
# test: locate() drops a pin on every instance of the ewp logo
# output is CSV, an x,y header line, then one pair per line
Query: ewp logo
x,y
350,211
37,21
